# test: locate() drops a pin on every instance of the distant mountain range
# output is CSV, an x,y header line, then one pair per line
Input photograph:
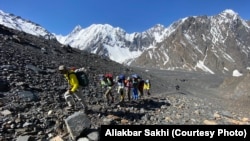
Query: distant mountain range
x,y
212,44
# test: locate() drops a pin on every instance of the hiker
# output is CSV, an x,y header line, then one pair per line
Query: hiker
x,y
120,86
107,83
128,87
140,87
135,87
74,88
147,86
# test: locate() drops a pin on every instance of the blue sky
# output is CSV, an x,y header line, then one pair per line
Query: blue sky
x,y
61,16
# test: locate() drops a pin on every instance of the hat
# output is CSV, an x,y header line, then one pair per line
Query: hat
x,y
62,67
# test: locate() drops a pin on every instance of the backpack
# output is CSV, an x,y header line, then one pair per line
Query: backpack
x,y
110,77
121,78
136,76
141,83
82,77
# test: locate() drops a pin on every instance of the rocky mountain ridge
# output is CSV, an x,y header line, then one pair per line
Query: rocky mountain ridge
x,y
215,44
212,44
21,24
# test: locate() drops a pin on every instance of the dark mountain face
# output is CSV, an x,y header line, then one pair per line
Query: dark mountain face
x,y
217,44
47,54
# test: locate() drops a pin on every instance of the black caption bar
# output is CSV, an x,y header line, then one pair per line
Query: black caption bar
x,y
175,132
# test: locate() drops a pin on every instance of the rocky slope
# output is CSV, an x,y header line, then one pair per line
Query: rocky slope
x,y
32,106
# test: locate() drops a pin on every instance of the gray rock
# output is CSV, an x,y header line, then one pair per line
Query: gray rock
x,y
24,138
93,136
77,123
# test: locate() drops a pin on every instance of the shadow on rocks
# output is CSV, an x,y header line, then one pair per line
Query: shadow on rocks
x,y
135,110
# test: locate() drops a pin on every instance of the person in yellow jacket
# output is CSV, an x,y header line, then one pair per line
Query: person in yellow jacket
x,y
146,87
74,90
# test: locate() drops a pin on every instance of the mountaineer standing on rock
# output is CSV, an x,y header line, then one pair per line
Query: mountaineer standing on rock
x,y
74,90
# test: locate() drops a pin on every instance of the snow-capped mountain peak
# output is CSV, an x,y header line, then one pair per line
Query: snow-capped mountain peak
x,y
102,39
229,12
18,23
76,29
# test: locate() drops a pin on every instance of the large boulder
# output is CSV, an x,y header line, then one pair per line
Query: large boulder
x,y
77,123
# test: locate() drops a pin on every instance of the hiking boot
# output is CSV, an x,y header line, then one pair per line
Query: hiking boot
x,y
70,108
86,109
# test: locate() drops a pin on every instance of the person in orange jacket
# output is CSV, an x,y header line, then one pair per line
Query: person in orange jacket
x,y
74,90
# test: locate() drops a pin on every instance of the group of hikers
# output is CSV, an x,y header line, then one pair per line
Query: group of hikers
x,y
130,87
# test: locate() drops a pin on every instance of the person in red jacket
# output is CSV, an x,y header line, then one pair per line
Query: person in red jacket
x,y
128,87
